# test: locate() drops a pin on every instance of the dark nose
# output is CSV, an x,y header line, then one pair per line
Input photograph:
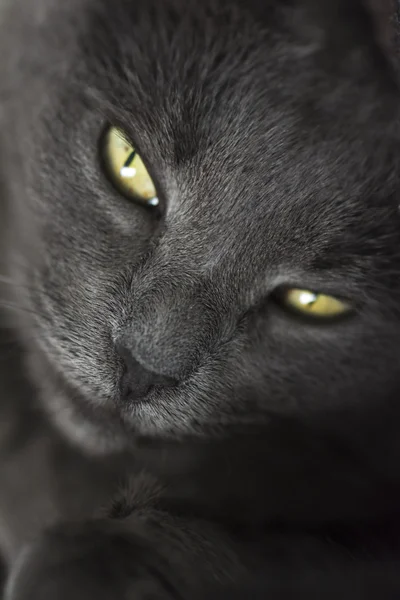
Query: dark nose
x,y
137,381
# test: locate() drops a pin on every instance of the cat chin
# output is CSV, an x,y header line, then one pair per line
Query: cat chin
x,y
110,425
99,432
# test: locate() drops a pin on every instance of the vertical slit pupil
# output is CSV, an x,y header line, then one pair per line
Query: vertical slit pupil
x,y
130,158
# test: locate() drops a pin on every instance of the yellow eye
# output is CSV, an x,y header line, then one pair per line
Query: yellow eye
x,y
311,304
126,169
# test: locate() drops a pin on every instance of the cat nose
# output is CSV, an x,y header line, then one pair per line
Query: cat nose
x,y
137,381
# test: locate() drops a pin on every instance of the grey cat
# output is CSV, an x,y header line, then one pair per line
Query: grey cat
x,y
200,299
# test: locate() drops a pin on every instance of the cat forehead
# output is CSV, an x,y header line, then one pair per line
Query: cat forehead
x,y
208,79
253,130
244,126
198,81
248,55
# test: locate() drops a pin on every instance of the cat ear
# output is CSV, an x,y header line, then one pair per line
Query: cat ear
x,y
370,25
385,17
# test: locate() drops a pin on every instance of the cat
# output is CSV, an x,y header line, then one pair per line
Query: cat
x,y
200,366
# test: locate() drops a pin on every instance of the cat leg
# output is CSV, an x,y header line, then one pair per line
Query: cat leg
x,y
153,555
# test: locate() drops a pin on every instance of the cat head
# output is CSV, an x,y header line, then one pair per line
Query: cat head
x,y
262,283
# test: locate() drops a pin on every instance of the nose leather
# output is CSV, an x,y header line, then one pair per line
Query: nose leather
x,y
137,381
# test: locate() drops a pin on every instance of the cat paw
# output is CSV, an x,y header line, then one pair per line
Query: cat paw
x,y
92,564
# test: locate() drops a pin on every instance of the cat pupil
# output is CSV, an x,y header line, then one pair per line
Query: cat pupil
x,y
130,158
126,169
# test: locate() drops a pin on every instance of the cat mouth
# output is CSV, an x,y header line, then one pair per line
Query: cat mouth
x,y
142,396
138,384
165,411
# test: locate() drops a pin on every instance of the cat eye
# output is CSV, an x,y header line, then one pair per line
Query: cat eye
x,y
312,304
125,168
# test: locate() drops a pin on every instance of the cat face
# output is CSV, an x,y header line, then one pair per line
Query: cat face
x,y
271,141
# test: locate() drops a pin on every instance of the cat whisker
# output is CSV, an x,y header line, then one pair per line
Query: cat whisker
x,y
16,284
14,307
14,310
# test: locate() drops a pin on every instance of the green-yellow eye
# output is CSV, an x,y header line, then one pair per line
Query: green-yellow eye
x,y
314,305
126,169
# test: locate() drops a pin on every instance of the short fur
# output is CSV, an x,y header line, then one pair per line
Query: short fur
x,y
272,131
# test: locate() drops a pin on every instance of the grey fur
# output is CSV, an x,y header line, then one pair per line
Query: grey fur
x,y
272,130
